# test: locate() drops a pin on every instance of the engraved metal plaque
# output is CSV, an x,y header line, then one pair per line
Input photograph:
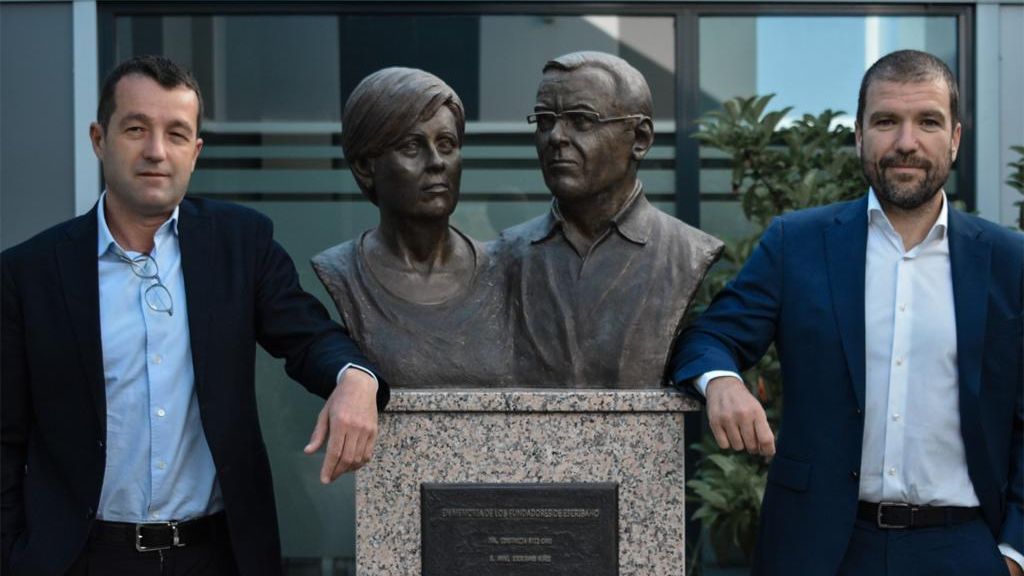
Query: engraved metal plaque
x,y
520,529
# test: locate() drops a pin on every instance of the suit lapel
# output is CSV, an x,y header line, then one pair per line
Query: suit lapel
x,y
969,255
79,274
846,252
195,237
969,258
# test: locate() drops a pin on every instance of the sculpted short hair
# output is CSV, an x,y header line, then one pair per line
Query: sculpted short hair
x,y
387,105
163,71
907,66
630,84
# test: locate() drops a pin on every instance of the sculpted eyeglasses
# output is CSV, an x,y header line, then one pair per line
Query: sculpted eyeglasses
x,y
580,120
157,296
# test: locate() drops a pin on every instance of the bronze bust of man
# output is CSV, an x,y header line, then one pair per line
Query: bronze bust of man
x,y
600,284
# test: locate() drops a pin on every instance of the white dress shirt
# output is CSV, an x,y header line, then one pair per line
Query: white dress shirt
x,y
913,450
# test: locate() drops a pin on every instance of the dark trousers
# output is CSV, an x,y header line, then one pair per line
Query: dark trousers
x,y
966,549
103,558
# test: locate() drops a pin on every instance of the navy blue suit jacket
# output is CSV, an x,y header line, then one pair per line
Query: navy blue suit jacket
x,y
241,288
803,288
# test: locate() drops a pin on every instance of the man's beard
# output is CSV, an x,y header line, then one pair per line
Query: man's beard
x,y
905,193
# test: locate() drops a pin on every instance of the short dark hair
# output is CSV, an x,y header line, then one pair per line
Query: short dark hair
x,y
389,103
629,82
163,71
910,66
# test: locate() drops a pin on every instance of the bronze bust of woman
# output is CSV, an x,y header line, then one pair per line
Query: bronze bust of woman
x,y
422,299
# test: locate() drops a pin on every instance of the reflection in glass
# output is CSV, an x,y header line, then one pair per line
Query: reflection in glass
x,y
810,63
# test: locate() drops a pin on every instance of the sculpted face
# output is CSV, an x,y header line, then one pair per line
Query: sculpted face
x,y
907,141
419,178
580,164
150,147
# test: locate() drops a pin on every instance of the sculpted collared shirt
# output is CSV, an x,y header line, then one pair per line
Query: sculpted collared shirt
x,y
606,318
159,467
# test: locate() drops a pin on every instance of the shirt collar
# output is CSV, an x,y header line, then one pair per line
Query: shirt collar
x,y
876,215
105,240
632,220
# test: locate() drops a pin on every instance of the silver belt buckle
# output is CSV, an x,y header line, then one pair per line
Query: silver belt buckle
x,y
889,505
175,540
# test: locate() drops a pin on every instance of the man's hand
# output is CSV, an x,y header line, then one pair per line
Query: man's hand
x,y
737,419
348,421
1013,567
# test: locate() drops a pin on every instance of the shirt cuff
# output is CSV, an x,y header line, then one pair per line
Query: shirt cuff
x,y
341,373
1009,552
707,377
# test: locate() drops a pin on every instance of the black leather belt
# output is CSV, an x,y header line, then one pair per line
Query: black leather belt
x,y
903,515
150,537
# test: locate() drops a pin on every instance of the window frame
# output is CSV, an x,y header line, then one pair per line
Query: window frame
x,y
688,196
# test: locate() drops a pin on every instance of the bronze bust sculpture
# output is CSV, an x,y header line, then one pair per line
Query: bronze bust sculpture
x,y
600,284
416,293
591,294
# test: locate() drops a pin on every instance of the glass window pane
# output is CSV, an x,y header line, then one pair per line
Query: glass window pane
x,y
810,63
274,88
508,78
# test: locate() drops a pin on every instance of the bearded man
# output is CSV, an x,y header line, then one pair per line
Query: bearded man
x,y
897,319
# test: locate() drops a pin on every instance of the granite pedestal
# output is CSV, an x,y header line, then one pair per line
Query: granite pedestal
x,y
633,438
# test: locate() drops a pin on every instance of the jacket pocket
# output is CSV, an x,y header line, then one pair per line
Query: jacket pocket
x,y
789,473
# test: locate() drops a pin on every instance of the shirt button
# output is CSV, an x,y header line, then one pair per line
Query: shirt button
x,y
154,514
161,465
899,361
160,412
895,417
157,358
903,307
892,471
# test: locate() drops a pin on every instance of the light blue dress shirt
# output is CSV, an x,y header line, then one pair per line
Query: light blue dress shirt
x,y
159,467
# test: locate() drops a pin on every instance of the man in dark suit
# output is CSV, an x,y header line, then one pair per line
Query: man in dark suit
x,y
898,322
130,436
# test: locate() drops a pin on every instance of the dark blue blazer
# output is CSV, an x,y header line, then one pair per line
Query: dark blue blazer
x,y
803,288
241,289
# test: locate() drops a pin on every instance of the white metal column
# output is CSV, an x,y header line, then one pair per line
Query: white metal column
x,y
85,64
986,108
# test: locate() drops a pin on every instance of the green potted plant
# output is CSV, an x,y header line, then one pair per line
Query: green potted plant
x,y
776,168
1016,181
728,489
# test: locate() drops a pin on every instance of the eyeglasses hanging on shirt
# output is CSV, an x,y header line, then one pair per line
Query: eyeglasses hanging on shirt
x,y
157,296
